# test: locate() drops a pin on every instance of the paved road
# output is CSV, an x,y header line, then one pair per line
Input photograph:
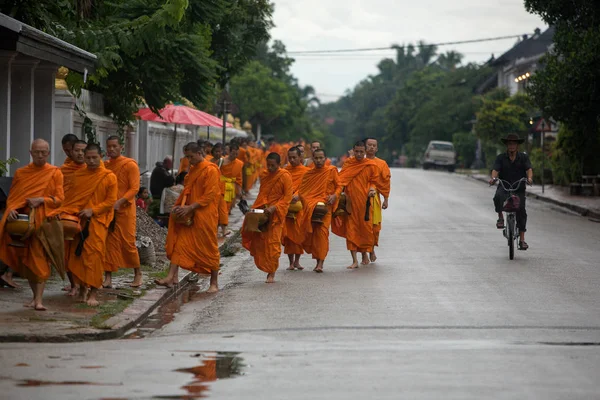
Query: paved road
x,y
442,314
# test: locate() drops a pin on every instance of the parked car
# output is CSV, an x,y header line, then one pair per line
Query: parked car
x,y
440,155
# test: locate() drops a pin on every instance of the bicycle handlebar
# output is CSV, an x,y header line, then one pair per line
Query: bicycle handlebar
x,y
510,187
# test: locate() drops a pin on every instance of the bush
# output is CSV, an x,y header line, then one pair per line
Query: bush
x,y
565,169
536,156
465,144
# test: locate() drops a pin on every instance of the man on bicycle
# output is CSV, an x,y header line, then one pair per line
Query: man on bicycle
x,y
511,167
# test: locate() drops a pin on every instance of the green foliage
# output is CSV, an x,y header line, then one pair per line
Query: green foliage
x,y
4,165
157,51
415,98
465,144
500,115
267,94
260,96
566,87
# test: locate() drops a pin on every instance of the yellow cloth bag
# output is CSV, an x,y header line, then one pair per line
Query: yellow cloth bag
x,y
229,188
376,210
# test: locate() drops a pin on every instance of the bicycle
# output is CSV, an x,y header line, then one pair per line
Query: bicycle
x,y
510,208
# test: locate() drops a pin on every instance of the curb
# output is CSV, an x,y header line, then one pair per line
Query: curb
x,y
584,212
128,318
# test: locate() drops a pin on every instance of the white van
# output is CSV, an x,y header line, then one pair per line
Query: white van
x,y
440,155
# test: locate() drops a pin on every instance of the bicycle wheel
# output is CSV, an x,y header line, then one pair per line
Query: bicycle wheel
x,y
511,239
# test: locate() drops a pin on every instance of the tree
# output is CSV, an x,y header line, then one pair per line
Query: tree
x,y
566,87
153,51
260,96
500,115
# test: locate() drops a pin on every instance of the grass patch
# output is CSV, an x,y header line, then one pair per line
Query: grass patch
x,y
158,274
108,310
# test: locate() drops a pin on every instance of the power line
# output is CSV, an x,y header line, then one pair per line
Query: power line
x,y
392,46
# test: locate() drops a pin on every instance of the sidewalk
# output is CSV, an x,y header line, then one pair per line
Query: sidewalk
x,y
121,309
587,206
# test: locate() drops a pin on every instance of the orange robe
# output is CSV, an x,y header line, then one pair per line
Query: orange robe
x,y
121,251
31,181
230,174
184,165
265,247
294,236
68,170
385,177
357,177
96,189
318,184
243,157
195,247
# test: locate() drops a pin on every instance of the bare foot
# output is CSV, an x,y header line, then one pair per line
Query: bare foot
x,y
318,270
137,282
93,303
7,279
213,289
67,288
40,307
298,267
73,291
168,283
290,268
31,304
82,295
373,257
353,266
365,260
107,284
270,278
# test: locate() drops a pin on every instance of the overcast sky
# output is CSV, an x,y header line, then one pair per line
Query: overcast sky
x,y
341,24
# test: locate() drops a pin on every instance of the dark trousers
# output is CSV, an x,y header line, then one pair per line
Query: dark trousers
x,y
499,199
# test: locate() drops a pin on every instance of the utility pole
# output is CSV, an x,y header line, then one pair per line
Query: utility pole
x,y
543,153
225,106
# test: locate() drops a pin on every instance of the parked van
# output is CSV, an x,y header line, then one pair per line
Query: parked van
x,y
440,155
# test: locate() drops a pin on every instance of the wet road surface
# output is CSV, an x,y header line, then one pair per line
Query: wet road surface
x,y
443,313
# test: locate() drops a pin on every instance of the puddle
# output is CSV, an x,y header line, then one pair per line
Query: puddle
x,y
215,366
35,382
165,313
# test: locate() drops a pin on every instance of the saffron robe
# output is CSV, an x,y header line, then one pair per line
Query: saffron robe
x,y
184,165
68,170
265,247
31,181
96,189
231,175
294,236
357,177
318,184
385,177
121,251
195,247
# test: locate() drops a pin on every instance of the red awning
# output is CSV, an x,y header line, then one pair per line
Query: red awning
x,y
181,115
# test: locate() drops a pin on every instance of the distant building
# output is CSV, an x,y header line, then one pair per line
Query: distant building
x,y
517,65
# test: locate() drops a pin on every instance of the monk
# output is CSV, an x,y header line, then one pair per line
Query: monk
x,y
231,186
314,145
274,197
91,198
68,141
36,190
194,247
385,178
121,251
320,184
359,178
294,235
184,164
68,169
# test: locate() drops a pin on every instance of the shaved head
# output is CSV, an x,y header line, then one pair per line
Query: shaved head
x,y
40,150
40,142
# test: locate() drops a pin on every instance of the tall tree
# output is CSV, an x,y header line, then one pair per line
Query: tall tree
x,y
566,88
